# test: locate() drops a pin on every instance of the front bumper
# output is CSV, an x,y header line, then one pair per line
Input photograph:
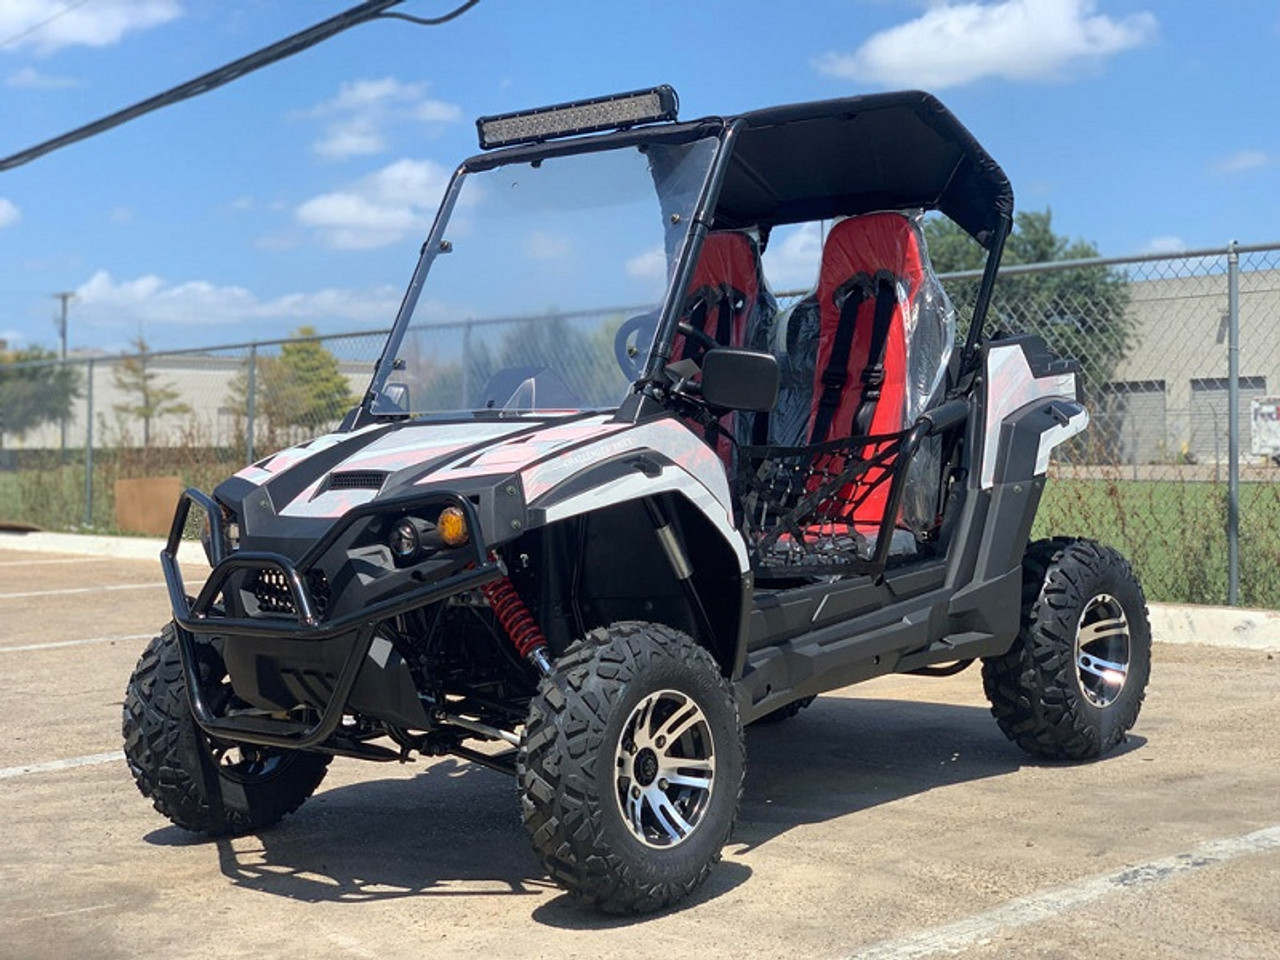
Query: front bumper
x,y
309,649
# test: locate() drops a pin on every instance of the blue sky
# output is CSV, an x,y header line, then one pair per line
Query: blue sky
x,y
300,194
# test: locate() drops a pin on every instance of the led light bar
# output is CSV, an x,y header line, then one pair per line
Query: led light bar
x,y
582,116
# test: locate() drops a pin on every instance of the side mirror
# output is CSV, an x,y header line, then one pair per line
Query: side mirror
x,y
737,379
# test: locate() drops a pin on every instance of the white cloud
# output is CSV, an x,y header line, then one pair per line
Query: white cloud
x,y
148,301
1166,244
436,111
354,138
28,78
39,26
358,117
650,266
1022,40
380,209
1243,161
9,213
792,258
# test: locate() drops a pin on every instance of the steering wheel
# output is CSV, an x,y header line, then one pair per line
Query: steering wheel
x,y
636,334
700,337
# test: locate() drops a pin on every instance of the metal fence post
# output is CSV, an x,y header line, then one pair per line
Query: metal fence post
x,y
466,366
88,447
251,401
1233,426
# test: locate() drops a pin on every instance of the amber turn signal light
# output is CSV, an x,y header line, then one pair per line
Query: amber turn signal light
x,y
452,527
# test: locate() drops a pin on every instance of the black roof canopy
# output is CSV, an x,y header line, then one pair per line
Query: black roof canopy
x,y
825,159
831,158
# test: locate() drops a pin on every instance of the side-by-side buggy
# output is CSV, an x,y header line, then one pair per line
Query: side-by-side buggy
x,y
606,500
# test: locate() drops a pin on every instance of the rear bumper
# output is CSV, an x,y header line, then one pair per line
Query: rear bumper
x,y
308,655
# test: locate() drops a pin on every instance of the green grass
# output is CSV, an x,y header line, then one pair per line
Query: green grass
x,y
50,493
1175,534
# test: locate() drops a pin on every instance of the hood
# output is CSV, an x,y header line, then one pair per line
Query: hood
x,y
329,476
518,472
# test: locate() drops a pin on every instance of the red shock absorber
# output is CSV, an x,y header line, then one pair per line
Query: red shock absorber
x,y
517,621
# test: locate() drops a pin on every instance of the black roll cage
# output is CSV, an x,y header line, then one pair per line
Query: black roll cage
x,y
960,179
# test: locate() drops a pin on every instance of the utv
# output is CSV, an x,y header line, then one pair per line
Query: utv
x,y
604,502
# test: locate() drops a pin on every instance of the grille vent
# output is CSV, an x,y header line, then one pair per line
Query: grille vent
x,y
271,590
357,480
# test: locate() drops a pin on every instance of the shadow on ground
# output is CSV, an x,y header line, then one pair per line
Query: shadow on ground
x,y
454,830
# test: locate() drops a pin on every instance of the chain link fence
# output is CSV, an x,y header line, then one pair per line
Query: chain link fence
x,y
1170,347
70,432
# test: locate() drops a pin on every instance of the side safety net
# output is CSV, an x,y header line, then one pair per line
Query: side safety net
x,y
865,353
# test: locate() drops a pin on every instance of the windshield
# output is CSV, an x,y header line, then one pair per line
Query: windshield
x,y
533,276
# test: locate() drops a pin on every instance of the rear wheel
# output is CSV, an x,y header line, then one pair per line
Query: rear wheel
x,y
201,783
1072,684
631,767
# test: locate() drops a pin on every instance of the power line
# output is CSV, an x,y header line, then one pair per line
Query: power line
x,y
364,12
76,5
432,21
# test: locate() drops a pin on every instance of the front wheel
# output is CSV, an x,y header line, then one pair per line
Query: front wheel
x,y
631,767
200,783
1072,684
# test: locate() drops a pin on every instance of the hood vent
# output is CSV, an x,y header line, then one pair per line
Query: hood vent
x,y
357,480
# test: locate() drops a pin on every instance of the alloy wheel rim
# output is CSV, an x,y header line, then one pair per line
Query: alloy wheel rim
x,y
665,768
1103,650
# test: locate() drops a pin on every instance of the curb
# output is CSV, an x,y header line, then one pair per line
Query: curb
x,y
1179,623
1216,626
124,548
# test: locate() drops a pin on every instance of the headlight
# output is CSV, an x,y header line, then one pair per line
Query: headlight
x,y
405,541
411,537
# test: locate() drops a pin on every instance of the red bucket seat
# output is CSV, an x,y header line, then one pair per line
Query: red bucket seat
x,y
871,271
728,302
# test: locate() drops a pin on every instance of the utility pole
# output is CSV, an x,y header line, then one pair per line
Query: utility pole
x,y
64,296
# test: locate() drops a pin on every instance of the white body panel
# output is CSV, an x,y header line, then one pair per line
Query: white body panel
x,y
1010,386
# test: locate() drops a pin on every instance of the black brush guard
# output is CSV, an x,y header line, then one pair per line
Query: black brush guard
x,y
197,617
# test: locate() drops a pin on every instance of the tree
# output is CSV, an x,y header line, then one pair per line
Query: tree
x,y
34,390
150,400
301,390
1081,312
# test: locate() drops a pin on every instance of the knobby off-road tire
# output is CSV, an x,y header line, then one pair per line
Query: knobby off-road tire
x,y
1072,684
199,783
631,767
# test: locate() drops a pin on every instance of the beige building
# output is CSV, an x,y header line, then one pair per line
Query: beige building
x,y
203,382
1168,399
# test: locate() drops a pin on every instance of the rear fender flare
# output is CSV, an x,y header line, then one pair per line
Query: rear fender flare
x,y
1024,380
